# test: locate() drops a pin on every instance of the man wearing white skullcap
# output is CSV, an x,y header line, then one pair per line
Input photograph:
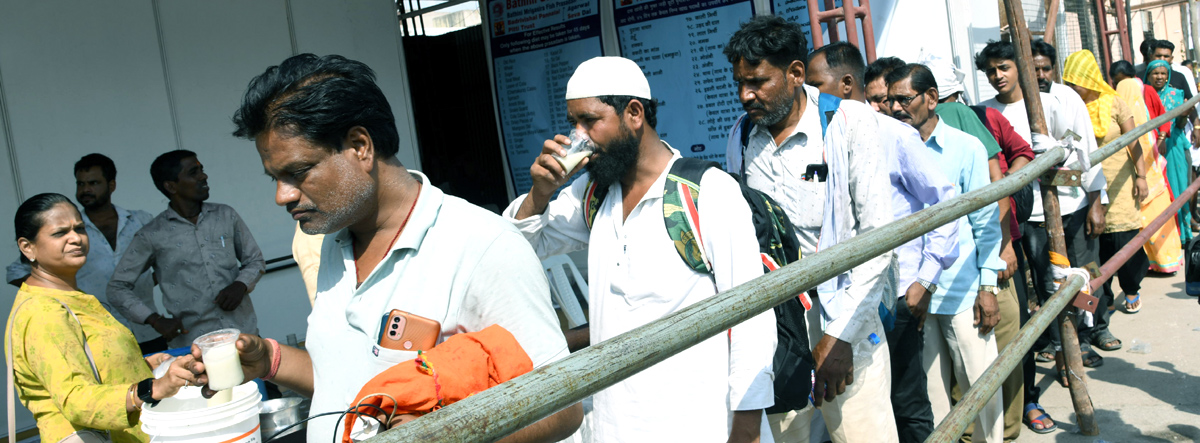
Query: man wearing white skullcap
x,y
712,392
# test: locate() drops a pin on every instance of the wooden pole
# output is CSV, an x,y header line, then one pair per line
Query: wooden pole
x,y
1054,229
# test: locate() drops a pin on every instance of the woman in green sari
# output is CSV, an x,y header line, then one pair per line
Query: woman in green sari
x,y
1158,75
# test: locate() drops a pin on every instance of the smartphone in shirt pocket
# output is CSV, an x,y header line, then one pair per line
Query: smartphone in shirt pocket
x,y
402,331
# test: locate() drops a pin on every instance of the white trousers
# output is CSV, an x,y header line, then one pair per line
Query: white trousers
x,y
954,348
864,412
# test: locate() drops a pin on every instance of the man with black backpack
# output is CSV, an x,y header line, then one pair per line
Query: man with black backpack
x,y
821,159
662,232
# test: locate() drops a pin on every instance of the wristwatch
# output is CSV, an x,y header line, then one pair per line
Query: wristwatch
x,y
932,288
145,392
990,288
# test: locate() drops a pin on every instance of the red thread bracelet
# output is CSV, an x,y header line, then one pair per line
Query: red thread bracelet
x,y
274,359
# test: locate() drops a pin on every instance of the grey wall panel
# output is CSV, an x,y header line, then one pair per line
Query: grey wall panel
x,y
213,49
79,78
366,31
86,81
9,200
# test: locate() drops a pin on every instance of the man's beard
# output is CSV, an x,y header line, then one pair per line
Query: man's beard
x,y
1044,85
353,199
781,107
615,160
96,202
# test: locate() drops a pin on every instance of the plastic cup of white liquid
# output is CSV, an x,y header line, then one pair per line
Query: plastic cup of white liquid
x,y
581,147
219,352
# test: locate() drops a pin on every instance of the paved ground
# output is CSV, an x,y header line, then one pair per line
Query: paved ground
x,y
1153,397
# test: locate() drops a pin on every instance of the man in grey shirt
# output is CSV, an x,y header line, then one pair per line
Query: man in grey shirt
x,y
205,258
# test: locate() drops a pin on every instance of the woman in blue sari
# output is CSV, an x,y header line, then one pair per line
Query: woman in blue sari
x,y
1158,75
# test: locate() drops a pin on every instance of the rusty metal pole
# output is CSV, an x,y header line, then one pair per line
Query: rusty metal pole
x,y
1054,229
1051,22
1123,33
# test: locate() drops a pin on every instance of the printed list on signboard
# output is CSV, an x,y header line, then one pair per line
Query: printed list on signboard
x,y
536,45
679,44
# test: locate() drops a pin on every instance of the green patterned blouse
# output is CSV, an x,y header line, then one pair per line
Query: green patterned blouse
x,y
53,376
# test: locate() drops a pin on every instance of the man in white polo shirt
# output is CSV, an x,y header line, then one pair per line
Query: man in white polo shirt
x,y
394,242
714,391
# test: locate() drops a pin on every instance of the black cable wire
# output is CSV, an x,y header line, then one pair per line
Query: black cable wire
x,y
279,433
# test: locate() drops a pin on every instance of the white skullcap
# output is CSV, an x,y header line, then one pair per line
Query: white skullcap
x,y
949,78
602,76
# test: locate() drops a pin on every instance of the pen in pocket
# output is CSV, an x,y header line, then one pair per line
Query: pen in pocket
x,y
222,241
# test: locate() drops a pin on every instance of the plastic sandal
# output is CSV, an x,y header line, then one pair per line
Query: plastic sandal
x,y
1093,360
1039,420
1136,299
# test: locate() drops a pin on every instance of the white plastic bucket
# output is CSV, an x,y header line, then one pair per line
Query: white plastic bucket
x,y
186,417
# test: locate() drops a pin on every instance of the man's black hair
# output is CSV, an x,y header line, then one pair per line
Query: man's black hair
x,y
1188,62
107,168
843,58
166,168
994,51
770,38
1040,47
619,102
320,99
880,68
922,77
1121,67
1159,44
1144,48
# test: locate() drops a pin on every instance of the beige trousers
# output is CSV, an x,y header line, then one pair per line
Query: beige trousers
x,y
864,412
1013,388
954,350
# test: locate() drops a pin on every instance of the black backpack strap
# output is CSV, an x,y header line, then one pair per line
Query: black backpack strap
x,y
746,127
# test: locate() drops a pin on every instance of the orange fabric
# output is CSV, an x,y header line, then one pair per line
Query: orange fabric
x,y
461,366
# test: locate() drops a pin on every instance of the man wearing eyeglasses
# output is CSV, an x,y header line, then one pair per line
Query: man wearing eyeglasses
x,y
966,293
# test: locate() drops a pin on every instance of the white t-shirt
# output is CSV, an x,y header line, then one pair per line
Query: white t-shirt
x,y
1064,111
455,263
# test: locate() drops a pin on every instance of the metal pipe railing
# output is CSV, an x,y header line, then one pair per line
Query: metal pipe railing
x,y
952,427
512,405
964,413
526,399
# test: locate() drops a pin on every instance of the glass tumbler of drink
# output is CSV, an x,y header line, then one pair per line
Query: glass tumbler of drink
x,y
219,352
581,147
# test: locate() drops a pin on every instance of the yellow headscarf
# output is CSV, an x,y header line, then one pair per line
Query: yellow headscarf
x,y
1081,69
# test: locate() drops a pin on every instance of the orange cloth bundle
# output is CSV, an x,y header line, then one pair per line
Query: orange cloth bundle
x,y
459,367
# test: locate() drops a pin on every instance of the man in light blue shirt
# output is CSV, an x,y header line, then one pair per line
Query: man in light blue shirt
x,y
110,228
966,294
838,69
